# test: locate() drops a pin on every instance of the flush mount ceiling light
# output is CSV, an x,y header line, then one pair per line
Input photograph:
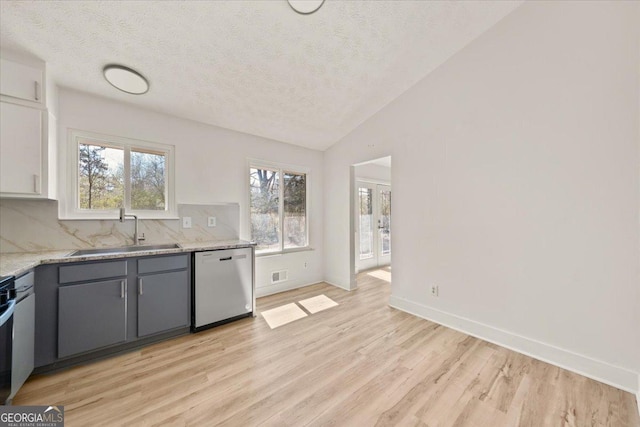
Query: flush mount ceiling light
x,y
125,79
305,7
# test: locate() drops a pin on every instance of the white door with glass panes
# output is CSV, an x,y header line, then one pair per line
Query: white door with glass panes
x,y
373,222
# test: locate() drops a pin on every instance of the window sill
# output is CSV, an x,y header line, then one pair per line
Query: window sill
x,y
284,252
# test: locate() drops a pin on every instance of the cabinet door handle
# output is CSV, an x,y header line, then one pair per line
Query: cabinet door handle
x,y
37,89
122,288
140,286
36,184
226,259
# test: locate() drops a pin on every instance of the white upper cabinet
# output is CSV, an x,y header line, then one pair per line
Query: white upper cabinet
x,y
20,149
21,81
27,130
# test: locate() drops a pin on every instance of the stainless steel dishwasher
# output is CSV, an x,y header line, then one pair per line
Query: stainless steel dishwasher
x,y
223,287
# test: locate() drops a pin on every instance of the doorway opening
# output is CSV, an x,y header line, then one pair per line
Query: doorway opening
x,y
372,223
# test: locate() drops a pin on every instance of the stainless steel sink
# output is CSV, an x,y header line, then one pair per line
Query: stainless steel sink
x,y
124,249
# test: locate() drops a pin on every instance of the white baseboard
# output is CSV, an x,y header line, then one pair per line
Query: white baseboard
x,y
615,376
638,395
263,291
337,284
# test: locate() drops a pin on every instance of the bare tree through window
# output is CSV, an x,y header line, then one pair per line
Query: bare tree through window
x,y
295,210
102,172
278,208
265,206
101,182
147,180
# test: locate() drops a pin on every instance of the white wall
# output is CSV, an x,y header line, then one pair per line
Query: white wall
x,y
373,172
516,190
211,167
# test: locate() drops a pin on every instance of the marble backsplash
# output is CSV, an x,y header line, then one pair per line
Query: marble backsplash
x,y
33,226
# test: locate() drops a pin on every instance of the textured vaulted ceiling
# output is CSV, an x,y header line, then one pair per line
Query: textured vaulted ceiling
x,y
252,66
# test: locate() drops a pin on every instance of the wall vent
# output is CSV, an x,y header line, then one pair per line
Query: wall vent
x,y
279,276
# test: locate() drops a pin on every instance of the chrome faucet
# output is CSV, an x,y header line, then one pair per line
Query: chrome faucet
x,y
136,238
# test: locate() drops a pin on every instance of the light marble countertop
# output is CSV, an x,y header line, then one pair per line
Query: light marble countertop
x,y
17,263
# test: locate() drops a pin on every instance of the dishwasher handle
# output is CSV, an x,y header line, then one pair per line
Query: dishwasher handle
x,y
212,256
24,291
229,258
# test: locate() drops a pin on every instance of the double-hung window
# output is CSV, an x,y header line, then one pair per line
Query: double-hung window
x,y
107,173
278,207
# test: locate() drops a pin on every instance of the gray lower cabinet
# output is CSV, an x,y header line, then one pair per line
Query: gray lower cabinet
x,y
91,315
163,302
93,308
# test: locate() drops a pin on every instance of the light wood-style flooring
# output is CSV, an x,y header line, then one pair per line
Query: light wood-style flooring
x,y
361,363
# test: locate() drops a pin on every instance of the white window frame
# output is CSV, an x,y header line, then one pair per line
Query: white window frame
x,y
72,207
281,167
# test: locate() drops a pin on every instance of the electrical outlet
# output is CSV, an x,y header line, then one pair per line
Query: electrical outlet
x,y
186,222
211,221
435,291
305,265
